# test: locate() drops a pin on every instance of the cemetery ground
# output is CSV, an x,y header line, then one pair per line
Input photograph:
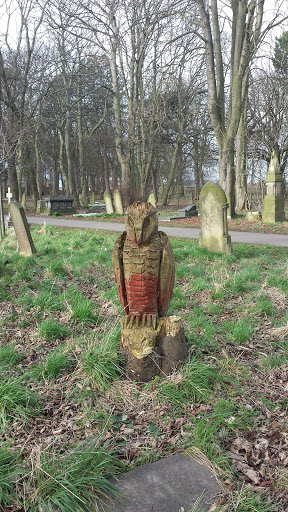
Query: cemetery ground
x,y
69,419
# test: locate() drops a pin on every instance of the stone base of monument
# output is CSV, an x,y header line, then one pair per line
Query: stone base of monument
x,y
273,209
8,221
149,351
176,483
253,216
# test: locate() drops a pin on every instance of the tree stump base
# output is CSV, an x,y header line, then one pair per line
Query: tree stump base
x,y
149,352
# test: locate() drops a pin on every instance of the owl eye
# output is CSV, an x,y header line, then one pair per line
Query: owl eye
x,y
146,222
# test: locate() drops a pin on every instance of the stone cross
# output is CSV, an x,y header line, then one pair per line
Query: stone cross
x,y
9,195
23,235
213,207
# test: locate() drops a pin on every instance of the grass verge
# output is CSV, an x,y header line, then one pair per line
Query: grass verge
x,y
62,387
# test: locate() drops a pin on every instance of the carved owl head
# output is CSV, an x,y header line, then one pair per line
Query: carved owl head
x,y
141,222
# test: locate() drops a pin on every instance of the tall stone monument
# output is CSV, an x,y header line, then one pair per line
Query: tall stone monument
x,y
213,207
23,235
144,268
118,202
273,205
108,202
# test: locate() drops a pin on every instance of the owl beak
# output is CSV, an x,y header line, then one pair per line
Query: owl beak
x,y
138,236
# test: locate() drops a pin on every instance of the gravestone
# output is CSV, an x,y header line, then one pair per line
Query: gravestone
x,y
96,208
118,202
59,206
253,216
152,199
174,484
273,205
41,205
23,235
213,215
108,202
189,211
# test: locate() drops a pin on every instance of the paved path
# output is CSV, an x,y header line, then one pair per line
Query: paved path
x,y
236,236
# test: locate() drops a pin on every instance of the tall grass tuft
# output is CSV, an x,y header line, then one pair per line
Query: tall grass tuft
x,y
193,383
101,364
50,330
71,481
81,308
16,400
57,363
9,472
8,357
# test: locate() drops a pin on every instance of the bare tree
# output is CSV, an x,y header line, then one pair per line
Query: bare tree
x,y
245,37
16,61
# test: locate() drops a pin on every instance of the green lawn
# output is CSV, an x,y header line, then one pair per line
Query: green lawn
x,y
66,406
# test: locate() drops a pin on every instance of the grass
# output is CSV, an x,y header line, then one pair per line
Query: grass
x,y
193,382
100,362
9,357
50,329
9,472
69,481
61,380
17,402
58,361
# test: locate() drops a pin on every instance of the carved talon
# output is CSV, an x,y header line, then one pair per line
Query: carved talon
x,y
132,321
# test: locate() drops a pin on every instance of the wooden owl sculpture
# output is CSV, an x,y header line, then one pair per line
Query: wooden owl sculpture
x,y
144,267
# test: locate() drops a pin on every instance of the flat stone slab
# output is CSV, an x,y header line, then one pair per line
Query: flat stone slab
x,y
173,484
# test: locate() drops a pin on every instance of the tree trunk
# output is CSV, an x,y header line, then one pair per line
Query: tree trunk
x,y
227,172
68,149
62,161
241,153
83,176
12,173
164,198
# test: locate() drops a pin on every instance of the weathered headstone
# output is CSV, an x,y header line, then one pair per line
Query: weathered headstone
x,y
253,216
41,205
108,202
144,268
213,215
273,205
176,483
23,235
118,202
152,199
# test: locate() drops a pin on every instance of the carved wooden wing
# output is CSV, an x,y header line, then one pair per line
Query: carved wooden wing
x,y
166,275
117,262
